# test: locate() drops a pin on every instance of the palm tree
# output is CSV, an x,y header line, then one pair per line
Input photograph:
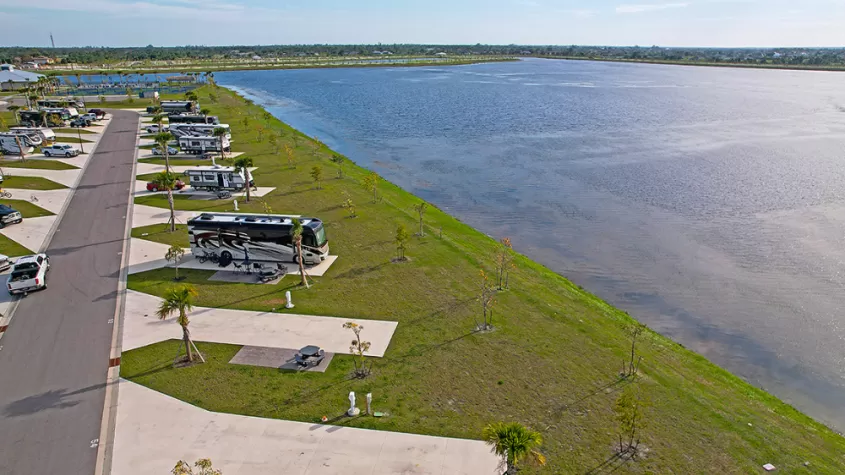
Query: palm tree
x,y
220,132
296,234
158,119
205,112
32,99
15,110
166,180
243,163
163,139
180,299
514,443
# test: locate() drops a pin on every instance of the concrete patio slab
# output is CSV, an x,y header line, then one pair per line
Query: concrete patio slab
x,y
280,358
145,215
242,327
314,271
31,233
63,177
241,278
146,255
51,200
155,430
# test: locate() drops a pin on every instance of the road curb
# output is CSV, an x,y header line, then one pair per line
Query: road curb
x,y
13,306
109,420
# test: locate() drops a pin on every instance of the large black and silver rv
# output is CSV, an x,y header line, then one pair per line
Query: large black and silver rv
x,y
13,143
198,130
198,145
40,119
179,106
216,178
256,237
192,119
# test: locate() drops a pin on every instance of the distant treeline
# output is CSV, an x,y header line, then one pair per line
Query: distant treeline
x,y
111,56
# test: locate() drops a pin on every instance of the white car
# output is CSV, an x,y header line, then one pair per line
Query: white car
x,y
29,273
89,117
153,129
5,262
59,150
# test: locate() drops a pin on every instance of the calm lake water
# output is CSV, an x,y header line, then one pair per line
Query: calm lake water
x,y
708,202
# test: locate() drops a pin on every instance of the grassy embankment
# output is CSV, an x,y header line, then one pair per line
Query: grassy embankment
x,y
31,183
28,210
72,130
297,63
798,67
39,164
75,140
552,362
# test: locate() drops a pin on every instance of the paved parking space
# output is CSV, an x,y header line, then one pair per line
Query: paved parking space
x,y
155,430
242,327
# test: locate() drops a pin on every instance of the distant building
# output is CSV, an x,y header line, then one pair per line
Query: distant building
x,y
42,60
256,57
12,79
441,54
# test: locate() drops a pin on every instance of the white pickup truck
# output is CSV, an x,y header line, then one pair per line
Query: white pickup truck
x,y
29,273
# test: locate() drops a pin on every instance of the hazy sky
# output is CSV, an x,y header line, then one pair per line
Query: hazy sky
x,y
598,22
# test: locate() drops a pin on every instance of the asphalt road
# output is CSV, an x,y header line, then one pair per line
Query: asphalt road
x,y
54,356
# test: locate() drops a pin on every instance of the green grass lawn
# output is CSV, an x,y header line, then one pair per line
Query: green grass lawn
x,y
31,183
552,361
39,164
73,131
177,161
27,209
12,248
150,176
161,233
61,139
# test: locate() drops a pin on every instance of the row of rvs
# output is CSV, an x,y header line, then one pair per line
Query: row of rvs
x,y
25,139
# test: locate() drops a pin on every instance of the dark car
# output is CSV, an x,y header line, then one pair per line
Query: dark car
x,y
79,122
206,156
9,215
101,114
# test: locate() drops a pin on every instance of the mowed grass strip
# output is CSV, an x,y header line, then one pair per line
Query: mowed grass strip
x,y
11,248
73,130
77,140
27,209
161,233
31,183
551,363
39,164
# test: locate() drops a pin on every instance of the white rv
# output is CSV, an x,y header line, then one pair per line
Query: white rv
x,y
66,113
216,177
183,129
46,134
198,145
13,143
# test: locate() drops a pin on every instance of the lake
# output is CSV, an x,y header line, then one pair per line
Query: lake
x,y
707,202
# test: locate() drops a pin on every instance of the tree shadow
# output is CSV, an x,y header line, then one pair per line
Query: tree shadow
x,y
53,399
601,389
359,271
610,465
67,250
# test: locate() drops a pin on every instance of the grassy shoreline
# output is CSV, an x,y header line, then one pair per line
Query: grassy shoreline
x,y
789,67
247,67
552,362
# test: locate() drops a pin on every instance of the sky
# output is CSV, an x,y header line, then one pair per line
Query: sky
x,y
717,23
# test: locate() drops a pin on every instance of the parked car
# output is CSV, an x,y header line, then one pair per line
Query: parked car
x,y
170,151
153,129
98,113
80,122
5,262
29,273
206,156
9,215
59,150
153,187
89,117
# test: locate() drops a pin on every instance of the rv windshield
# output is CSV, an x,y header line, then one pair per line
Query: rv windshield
x,y
316,240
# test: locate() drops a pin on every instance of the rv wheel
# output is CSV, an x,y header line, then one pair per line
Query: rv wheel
x,y
225,258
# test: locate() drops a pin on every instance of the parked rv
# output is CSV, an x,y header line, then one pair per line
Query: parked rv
x,y
257,237
15,143
192,119
66,113
198,130
46,134
199,145
216,178
40,119
178,106
69,101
